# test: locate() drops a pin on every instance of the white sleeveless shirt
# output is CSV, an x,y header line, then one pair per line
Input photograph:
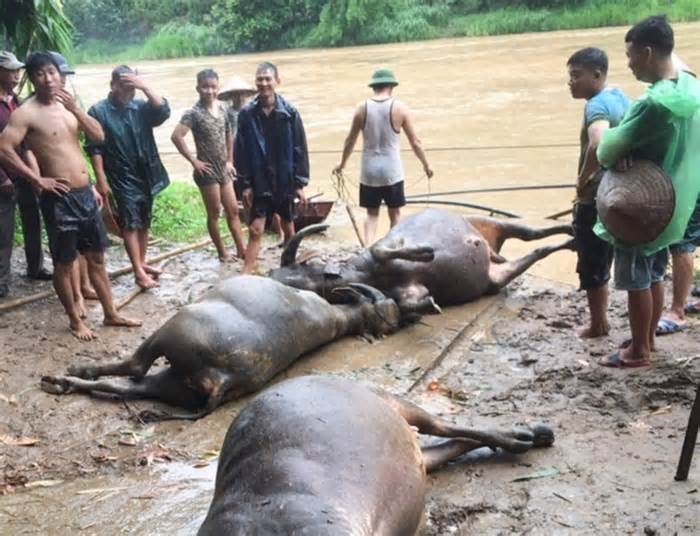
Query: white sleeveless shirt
x,y
381,156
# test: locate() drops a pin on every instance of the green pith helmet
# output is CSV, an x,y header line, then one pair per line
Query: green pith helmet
x,y
383,76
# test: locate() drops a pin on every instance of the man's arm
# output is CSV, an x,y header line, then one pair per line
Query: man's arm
x,y
10,140
358,120
242,160
101,183
416,145
159,108
229,151
178,139
300,154
89,125
643,124
590,161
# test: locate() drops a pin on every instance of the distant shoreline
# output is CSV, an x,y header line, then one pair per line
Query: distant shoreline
x,y
172,41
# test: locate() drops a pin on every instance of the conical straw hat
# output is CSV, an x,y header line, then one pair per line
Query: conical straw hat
x,y
235,84
636,205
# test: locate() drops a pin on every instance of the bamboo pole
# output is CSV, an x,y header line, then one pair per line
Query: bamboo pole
x,y
129,298
354,224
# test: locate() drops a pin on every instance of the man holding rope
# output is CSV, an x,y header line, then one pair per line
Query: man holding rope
x,y
381,119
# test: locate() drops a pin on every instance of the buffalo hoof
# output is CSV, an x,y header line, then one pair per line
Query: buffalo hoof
x,y
543,434
55,385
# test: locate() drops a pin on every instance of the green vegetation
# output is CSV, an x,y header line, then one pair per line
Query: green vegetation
x,y
113,30
179,214
27,25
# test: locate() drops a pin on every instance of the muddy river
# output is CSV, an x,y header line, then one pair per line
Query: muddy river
x,y
492,112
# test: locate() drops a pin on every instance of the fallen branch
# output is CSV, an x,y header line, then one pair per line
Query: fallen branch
x,y
129,298
17,302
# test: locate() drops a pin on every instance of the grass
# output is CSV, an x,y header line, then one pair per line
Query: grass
x,y
593,14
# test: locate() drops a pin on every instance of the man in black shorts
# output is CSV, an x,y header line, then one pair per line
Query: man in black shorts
x,y
271,160
381,119
49,124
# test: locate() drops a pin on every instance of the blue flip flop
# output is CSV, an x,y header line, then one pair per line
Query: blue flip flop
x,y
615,360
692,308
667,326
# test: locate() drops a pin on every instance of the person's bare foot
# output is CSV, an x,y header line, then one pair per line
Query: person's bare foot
x,y
152,271
592,332
121,321
225,257
80,305
627,355
81,332
146,282
89,293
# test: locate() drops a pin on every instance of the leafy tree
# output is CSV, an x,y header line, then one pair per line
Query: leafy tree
x,y
265,24
27,25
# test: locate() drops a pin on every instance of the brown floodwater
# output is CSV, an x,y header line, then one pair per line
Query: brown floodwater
x,y
491,112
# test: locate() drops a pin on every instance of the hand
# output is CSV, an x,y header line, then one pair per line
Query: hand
x,y
248,198
338,170
68,101
203,168
428,171
230,169
98,198
103,189
623,164
300,194
58,185
132,80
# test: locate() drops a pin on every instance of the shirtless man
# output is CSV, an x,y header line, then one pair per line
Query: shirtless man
x,y
48,123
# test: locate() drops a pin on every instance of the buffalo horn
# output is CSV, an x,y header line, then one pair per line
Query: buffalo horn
x,y
289,254
372,293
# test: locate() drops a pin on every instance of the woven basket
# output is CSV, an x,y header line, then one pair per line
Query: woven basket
x,y
636,205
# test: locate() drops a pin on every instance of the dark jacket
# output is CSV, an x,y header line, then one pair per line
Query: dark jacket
x,y
131,160
250,151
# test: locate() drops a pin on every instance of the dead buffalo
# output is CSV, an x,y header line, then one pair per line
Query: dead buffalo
x,y
232,342
434,256
327,456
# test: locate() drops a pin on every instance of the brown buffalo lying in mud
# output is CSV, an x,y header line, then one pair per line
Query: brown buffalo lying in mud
x,y
232,342
434,256
328,456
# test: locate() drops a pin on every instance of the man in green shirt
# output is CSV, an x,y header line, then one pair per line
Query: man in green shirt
x,y
663,126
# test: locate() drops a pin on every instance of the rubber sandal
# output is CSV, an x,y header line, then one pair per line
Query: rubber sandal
x,y
692,308
667,326
615,360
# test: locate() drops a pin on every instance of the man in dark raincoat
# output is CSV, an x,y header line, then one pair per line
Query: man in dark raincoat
x,y
271,159
127,164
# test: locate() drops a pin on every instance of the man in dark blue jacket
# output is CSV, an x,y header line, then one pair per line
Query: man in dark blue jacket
x,y
271,159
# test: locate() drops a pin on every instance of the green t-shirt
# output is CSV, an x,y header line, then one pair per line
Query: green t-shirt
x,y
662,126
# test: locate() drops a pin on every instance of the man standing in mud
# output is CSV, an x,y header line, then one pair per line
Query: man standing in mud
x,y
605,108
127,164
381,120
271,160
662,126
49,124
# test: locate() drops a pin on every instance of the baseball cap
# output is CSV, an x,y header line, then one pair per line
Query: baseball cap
x,y
9,61
62,63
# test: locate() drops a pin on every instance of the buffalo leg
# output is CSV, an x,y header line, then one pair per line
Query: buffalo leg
x,y
496,232
435,456
519,439
137,366
165,386
502,274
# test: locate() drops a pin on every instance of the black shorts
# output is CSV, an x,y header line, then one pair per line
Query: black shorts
x,y
372,196
595,255
134,212
265,207
73,224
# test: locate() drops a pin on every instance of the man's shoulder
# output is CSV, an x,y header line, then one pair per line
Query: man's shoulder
x,y
99,107
285,105
610,104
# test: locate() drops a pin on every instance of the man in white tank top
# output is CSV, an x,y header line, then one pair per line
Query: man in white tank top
x,y
381,119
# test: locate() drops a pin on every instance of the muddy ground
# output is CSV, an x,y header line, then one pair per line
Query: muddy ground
x,y
93,468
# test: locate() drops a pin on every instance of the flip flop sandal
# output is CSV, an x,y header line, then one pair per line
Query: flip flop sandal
x,y
692,308
668,327
696,292
615,360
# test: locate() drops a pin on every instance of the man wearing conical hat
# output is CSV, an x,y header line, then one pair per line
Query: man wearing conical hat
x,y
663,126
381,119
